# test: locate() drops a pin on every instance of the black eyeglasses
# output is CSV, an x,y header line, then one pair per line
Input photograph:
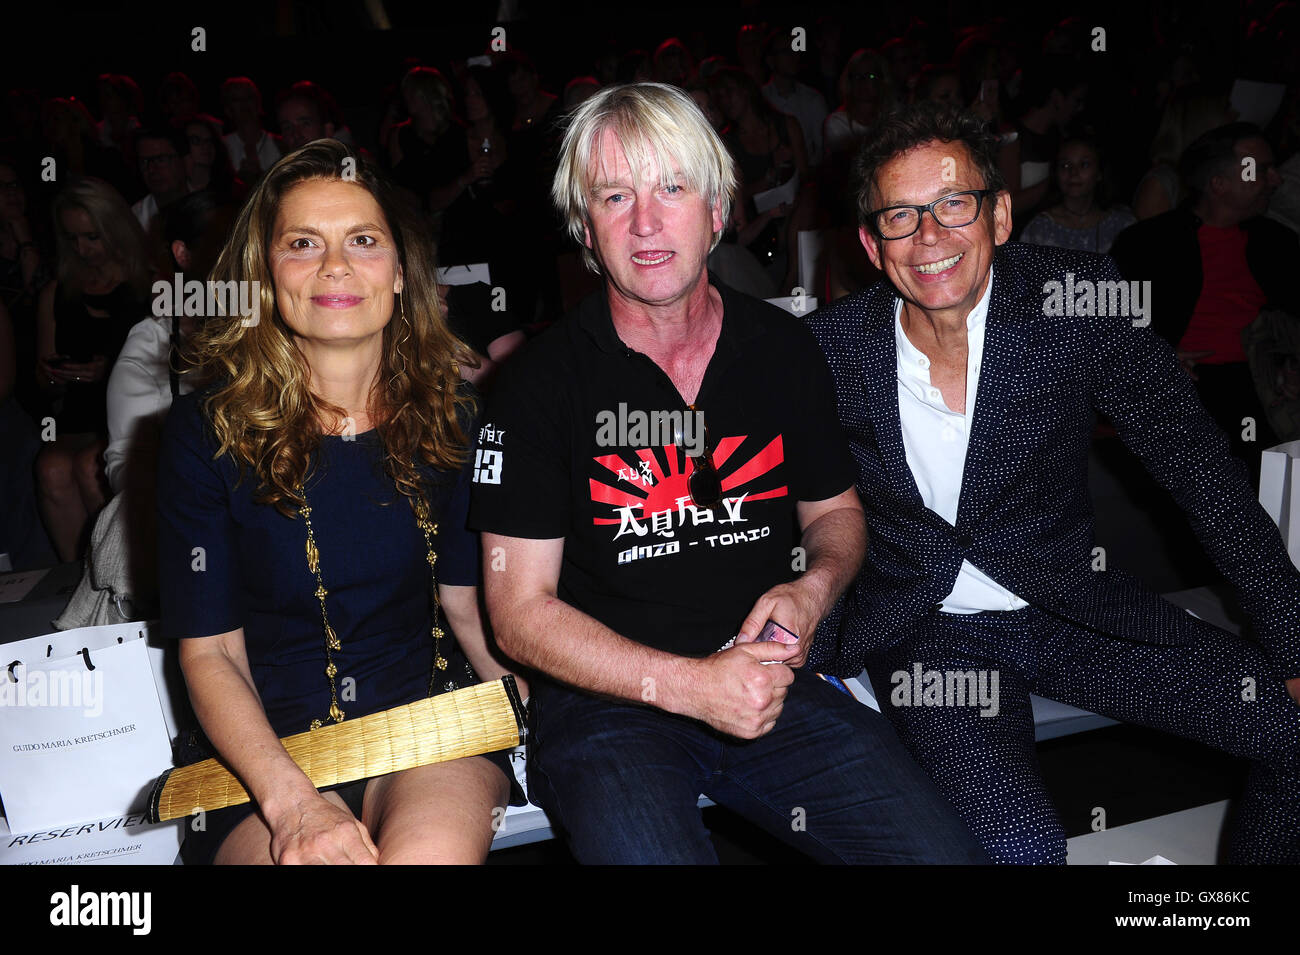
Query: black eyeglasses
x,y
952,212
704,485
148,161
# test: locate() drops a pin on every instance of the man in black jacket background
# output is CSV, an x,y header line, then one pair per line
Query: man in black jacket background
x,y
1213,263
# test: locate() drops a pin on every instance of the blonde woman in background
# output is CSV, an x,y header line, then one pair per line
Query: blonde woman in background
x,y
82,319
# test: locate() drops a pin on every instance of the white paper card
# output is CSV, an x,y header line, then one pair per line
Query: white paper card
x,y
14,587
774,197
464,274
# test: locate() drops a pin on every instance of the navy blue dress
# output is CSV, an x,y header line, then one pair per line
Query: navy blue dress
x,y
226,562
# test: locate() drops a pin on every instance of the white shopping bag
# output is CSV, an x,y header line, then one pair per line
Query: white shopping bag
x,y
122,840
1279,493
82,733
163,658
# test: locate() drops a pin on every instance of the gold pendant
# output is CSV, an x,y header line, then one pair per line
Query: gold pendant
x,y
331,638
336,714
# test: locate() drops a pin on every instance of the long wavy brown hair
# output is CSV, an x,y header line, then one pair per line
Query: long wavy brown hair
x,y
260,404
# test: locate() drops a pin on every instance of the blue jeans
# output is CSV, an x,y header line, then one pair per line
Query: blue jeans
x,y
623,781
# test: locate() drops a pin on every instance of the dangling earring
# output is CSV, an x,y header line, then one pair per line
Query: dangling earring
x,y
404,334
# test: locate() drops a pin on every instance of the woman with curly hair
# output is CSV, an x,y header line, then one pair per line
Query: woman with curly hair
x,y
307,495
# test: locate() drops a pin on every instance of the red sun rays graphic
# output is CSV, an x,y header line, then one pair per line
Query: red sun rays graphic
x,y
666,488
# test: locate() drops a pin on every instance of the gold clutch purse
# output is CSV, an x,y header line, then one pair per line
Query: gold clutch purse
x,y
467,722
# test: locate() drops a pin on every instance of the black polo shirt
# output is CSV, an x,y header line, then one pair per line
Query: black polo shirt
x,y
638,555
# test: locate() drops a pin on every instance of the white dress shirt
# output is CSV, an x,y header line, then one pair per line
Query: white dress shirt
x,y
145,211
935,440
139,394
267,150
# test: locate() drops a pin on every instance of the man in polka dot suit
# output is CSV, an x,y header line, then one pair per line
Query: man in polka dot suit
x,y
968,391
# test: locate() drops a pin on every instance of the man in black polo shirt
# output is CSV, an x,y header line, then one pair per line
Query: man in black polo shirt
x,y
638,479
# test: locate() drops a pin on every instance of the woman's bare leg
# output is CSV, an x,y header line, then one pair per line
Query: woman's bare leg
x,y
88,469
249,843
59,496
437,814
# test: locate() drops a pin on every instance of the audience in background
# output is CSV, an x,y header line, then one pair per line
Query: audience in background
x,y
1213,264
120,104
1050,98
866,94
207,164
23,542
73,145
423,147
673,64
1078,213
148,370
252,149
474,141
178,97
769,151
788,95
1188,115
148,374
160,154
83,316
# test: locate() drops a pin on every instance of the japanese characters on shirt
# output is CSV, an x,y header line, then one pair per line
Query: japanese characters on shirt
x,y
641,494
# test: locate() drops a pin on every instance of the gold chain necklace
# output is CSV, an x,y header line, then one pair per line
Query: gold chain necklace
x,y
332,643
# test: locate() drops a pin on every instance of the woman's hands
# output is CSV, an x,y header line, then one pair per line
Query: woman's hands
x,y
312,830
305,827
62,372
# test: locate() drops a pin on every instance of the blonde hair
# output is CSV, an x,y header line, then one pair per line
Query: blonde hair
x,y
124,240
432,87
261,408
1186,116
654,124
